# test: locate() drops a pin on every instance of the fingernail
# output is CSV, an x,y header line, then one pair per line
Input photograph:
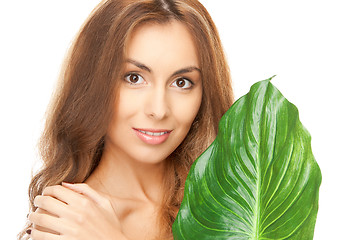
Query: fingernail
x,y
67,183
28,231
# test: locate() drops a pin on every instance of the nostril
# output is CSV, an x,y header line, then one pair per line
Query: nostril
x,y
157,106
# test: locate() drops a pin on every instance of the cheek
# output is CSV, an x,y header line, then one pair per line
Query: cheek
x,y
129,103
125,108
187,109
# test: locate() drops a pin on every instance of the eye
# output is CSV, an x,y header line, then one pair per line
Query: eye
x,y
134,78
182,83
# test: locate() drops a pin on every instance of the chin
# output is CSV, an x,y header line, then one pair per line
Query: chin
x,y
153,154
151,161
150,157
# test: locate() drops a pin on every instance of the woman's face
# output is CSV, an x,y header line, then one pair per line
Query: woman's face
x,y
160,93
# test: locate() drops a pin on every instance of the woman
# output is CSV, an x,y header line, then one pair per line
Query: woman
x,y
141,95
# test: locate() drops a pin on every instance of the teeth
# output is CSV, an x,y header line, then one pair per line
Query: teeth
x,y
153,133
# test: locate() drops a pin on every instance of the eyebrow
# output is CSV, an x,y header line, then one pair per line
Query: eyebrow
x,y
139,65
178,72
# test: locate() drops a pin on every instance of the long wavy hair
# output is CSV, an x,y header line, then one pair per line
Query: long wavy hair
x,y
82,106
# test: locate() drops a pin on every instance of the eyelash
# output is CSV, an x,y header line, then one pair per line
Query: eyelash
x,y
174,82
186,80
134,74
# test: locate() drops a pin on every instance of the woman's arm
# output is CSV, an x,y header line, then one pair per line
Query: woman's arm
x,y
75,211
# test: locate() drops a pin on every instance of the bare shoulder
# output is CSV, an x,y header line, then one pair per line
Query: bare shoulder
x,y
138,218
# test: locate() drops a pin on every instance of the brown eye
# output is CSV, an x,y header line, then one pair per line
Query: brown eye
x,y
182,83
133,78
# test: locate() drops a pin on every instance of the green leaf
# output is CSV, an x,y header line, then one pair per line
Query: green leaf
x,y
258,179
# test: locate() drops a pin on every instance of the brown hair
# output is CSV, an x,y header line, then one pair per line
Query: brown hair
x,y
79,114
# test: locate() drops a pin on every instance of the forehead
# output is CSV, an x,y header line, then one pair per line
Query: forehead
x,y
154,43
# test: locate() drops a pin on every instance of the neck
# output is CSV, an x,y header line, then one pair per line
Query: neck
x,y
120,176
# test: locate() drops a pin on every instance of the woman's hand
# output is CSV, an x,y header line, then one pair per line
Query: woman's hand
x,y
74,212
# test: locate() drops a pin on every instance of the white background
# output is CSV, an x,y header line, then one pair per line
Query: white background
x,y
313,47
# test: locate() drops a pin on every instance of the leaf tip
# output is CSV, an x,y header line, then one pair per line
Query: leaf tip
x,y
272,77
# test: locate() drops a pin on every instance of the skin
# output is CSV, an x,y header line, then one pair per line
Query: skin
x,y
161,89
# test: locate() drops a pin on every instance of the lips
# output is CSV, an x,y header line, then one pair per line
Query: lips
x,y
152,136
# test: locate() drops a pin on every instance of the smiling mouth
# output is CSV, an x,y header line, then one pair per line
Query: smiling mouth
x,y
153,133
152,136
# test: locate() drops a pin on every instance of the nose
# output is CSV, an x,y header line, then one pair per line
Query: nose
x,y
157,106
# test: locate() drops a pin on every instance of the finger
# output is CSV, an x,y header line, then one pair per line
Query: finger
x,y
87,191
63,194
39,210
51,205
40,235
46,221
